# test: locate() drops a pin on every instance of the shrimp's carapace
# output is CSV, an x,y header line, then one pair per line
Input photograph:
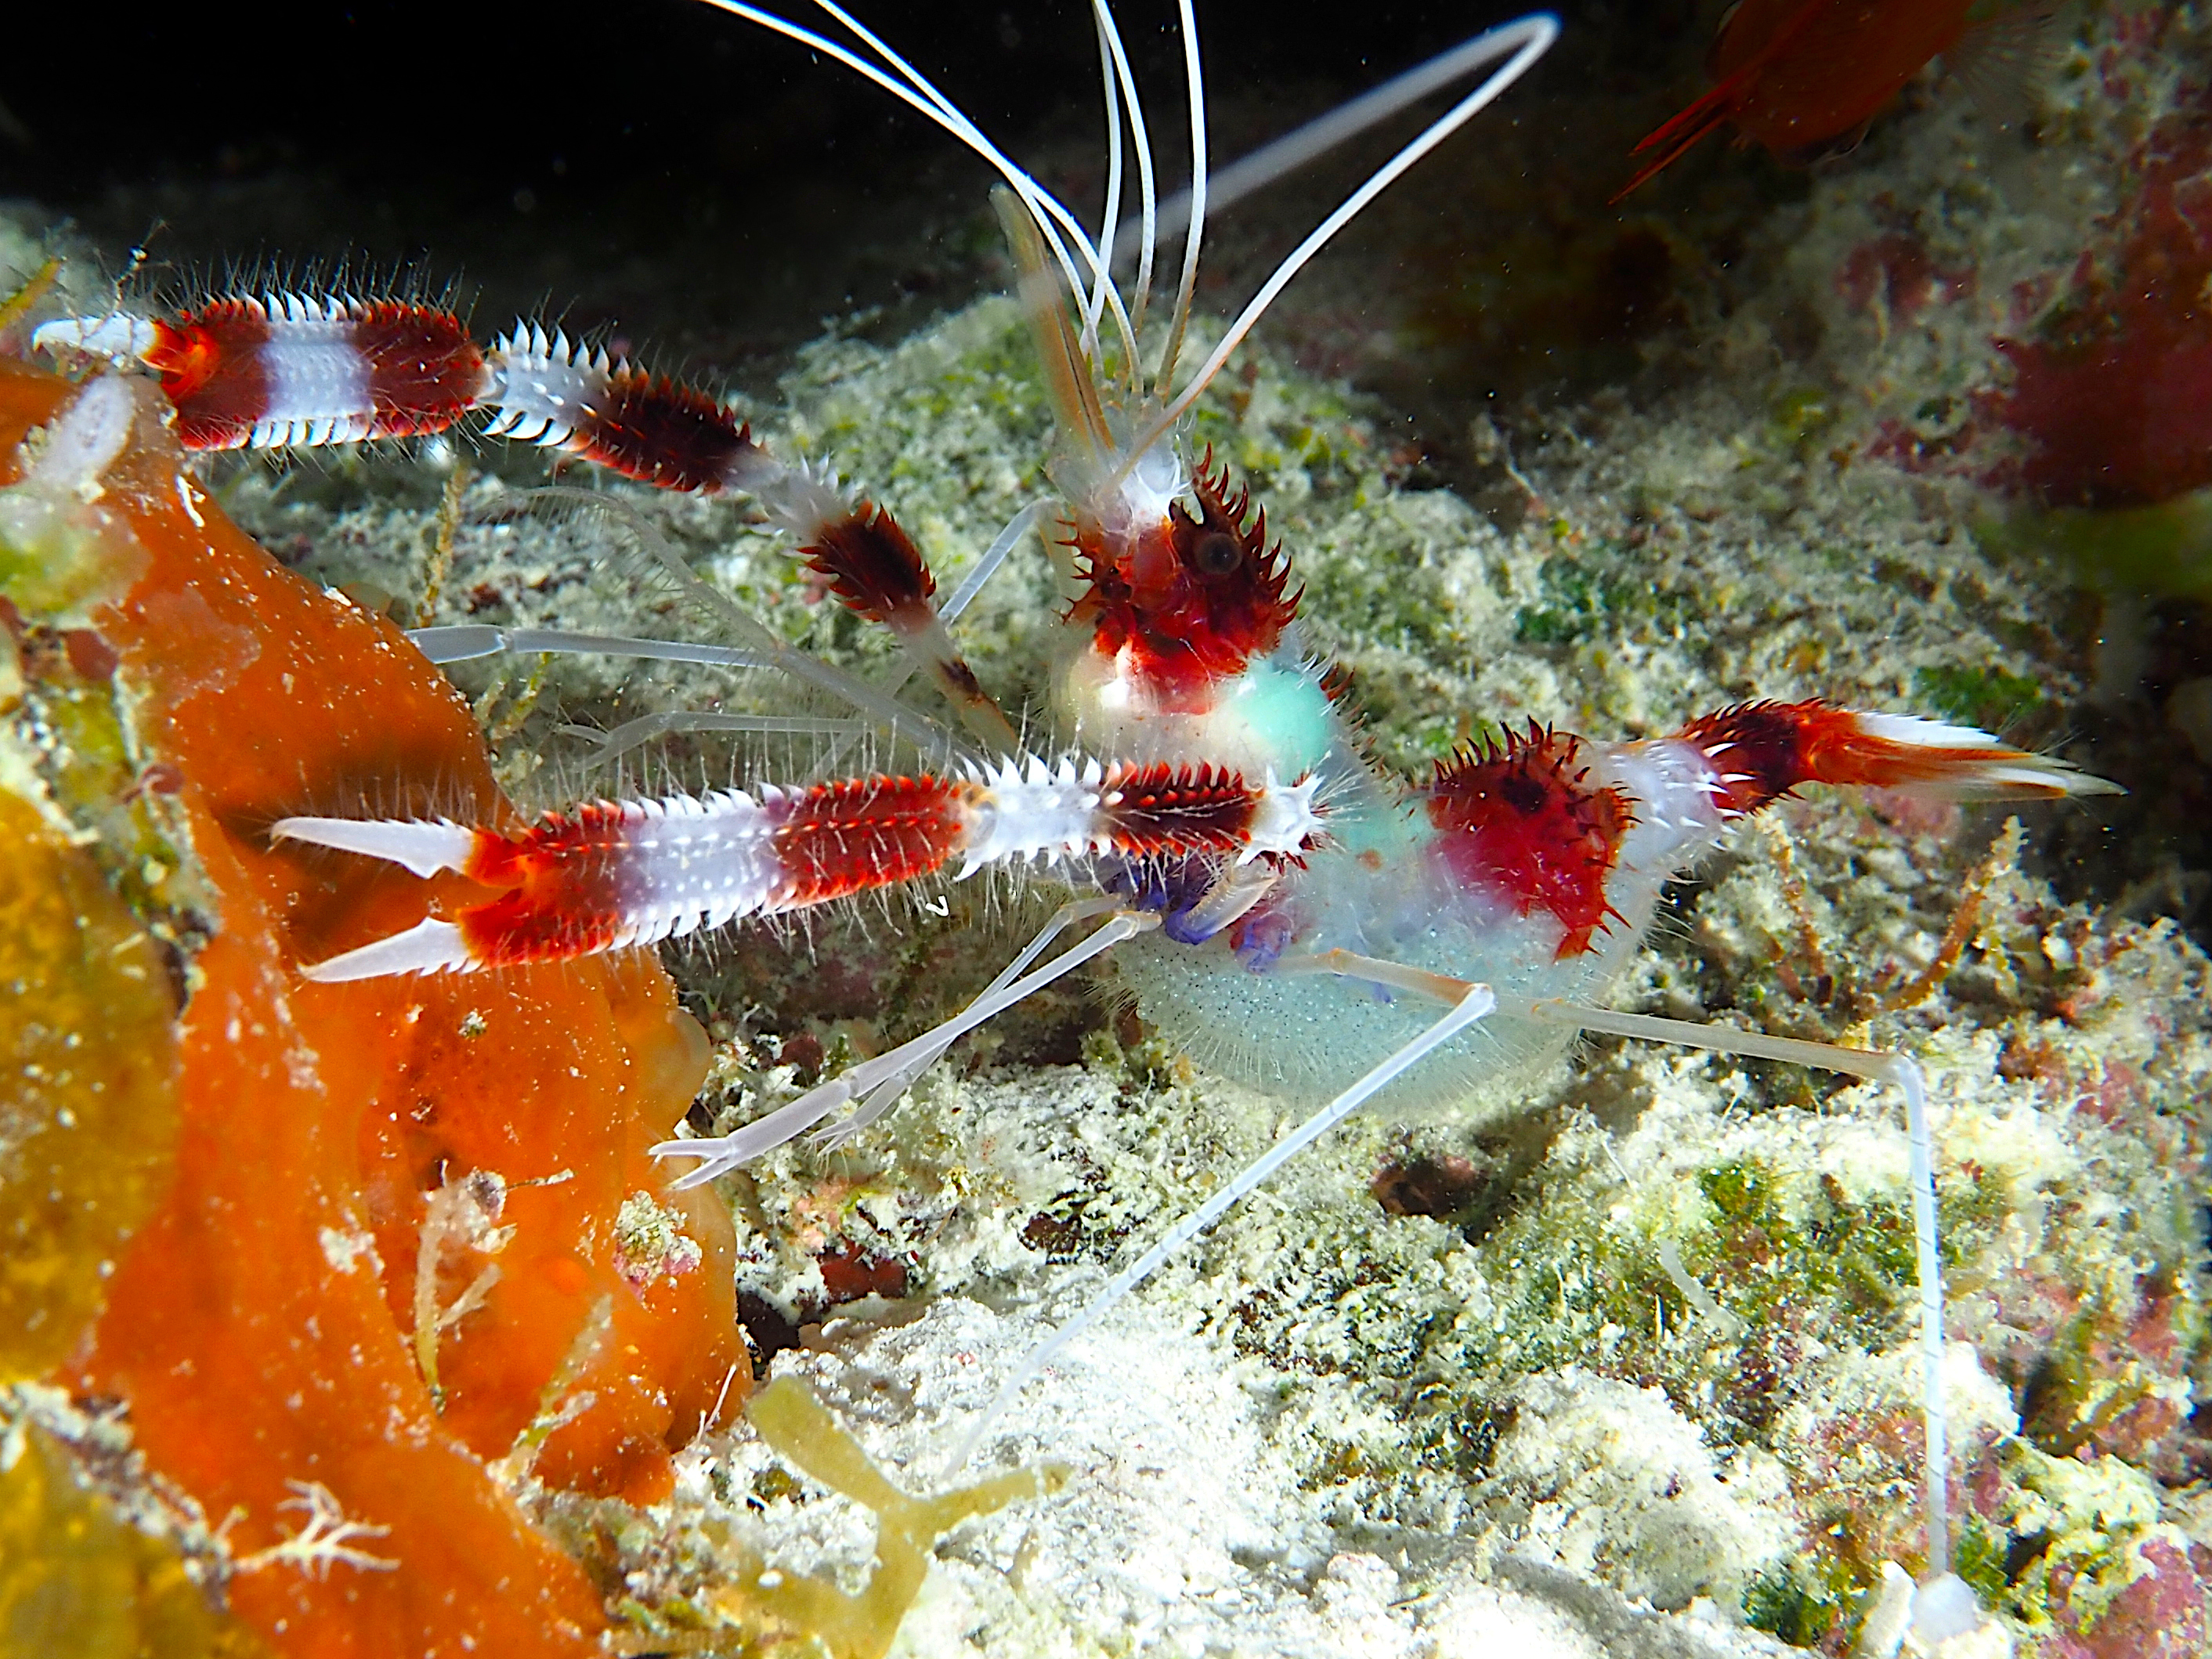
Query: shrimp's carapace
x,y
1183,604
1801,75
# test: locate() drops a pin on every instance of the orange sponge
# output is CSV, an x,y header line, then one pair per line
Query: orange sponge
x,y
379,1180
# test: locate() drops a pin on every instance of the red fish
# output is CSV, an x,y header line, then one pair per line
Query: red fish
x,y
1799,75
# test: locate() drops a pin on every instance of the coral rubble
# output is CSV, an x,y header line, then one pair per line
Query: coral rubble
x,y
1615,1360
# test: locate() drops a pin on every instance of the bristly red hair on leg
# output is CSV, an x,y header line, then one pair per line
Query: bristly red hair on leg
x,y
862,835
663,433
292,369
871,564
559,393
1521,818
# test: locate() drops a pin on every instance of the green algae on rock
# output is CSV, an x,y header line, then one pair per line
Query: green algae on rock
x,y
75,1579
88,1127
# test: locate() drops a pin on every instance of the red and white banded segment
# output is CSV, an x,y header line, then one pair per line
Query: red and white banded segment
x,y
288,370
559,394
1756,752
291,370
611,874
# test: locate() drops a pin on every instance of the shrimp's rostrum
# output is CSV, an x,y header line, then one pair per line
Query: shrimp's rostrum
x,y
1277,900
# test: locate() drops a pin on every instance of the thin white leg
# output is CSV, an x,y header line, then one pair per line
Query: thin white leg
x,y
1899,1071
631,734
722,1153
895,718
886,1093
994,556
1943,1604
462,641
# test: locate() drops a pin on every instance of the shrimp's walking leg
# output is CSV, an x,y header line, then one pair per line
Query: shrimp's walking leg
x,y
877,573
1943,1605
964,596
465,641
894,718
1901,1073
461,642
723,1153
1472,1003
885,1094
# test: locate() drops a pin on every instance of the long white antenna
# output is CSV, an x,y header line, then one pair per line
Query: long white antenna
x,y
917,94
1282,156
1039,201
1528,38
1195,78
1148,227
1109,218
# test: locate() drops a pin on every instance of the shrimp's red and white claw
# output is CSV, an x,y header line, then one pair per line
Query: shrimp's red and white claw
x,y
1761,752
286,369
1544,822
614,874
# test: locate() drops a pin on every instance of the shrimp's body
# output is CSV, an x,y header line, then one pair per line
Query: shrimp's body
x,y
1277,900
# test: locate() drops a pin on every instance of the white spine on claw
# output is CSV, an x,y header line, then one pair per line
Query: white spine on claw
x,y
803,499
543,386
430,946
424,848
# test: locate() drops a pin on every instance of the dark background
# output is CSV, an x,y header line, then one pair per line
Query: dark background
x,y
664,166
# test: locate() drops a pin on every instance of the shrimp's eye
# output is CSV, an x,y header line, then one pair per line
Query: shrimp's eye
x,y
1217,554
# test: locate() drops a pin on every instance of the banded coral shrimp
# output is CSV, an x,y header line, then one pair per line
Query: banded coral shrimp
x,y
1363,1007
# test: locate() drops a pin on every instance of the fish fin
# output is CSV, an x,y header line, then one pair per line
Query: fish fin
x,y
1826,149
2005,60
1677,136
